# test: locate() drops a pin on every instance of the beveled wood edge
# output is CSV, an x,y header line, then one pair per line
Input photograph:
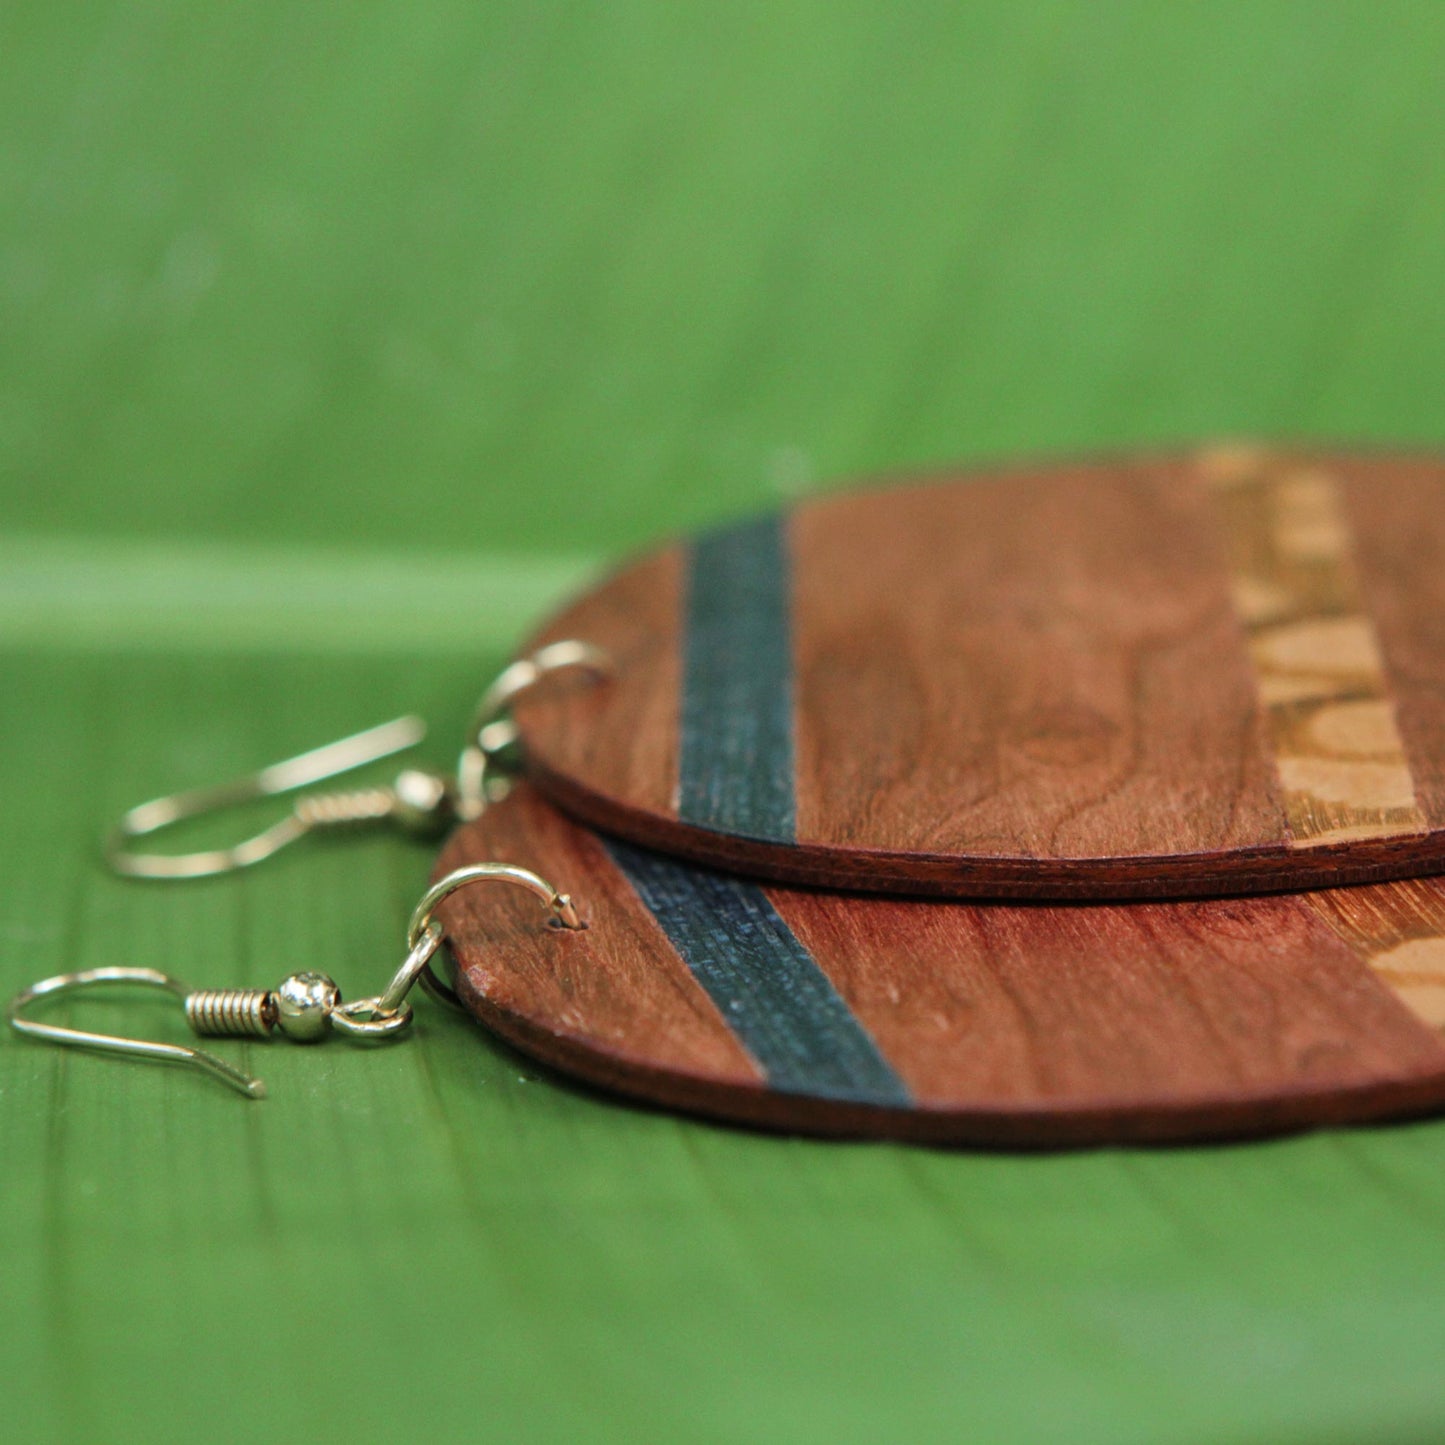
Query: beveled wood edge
x,y
982,1124
1231,872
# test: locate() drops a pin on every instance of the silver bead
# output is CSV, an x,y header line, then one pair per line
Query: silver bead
x,y
303,1005
423,801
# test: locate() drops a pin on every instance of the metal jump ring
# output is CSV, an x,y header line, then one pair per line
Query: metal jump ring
x,y
415,963
365,1018
492,728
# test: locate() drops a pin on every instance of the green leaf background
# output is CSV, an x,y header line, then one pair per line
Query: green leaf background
x,y
337,344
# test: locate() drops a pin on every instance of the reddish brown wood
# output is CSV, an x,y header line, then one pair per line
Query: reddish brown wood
x,y
593,988
1049,668
1067,1002
622,737
1092,681
1010,1024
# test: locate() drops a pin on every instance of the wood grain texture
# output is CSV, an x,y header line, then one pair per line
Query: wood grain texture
x,y
774,995
1147,678
1006,1024
1040,668
1396,928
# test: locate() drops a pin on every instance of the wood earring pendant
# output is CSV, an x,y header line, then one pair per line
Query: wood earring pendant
x,y
1170,676
954,1022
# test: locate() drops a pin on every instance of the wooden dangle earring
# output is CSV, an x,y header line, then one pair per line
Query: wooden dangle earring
x,y
1197,675
955,1021
1202,674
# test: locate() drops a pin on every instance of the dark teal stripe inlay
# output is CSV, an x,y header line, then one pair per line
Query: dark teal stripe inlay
x,y
780,1004
736,745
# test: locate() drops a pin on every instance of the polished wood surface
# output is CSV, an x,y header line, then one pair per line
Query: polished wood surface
x,y
1213,673
1002,1024
1048,671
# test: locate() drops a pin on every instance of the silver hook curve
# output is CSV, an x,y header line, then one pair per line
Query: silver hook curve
x,y
314,766
492,730
63,983
424,926
559,904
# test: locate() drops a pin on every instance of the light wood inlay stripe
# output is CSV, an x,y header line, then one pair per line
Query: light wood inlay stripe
x,y
1399,930
1331,720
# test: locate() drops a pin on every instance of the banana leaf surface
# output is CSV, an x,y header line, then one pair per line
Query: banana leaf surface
x,y
337,344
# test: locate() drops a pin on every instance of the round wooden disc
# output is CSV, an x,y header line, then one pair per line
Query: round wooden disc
x,y
1218,673
952,1021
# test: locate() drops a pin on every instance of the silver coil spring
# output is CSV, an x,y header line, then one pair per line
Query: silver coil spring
x,y
365,805
231,1012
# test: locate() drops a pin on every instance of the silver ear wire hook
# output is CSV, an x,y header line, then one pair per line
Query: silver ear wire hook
x,y
61,984
421,801
302,1007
